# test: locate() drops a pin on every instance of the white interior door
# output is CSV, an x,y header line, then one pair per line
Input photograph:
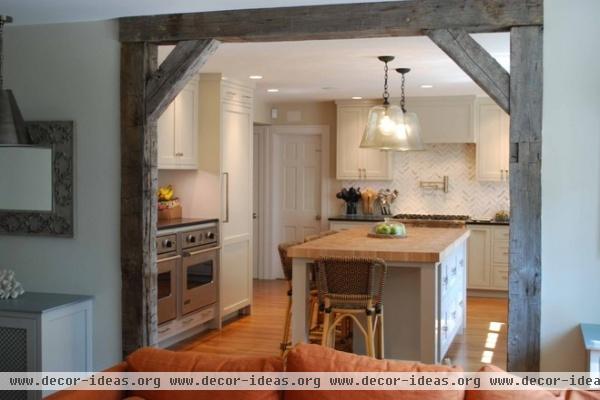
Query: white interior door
x,y
299,186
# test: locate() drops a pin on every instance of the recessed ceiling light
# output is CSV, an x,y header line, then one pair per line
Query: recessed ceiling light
x,y
272,90
256,77
356,97
426,86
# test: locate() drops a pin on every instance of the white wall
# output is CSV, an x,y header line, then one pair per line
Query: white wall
x,y
570,180
71,72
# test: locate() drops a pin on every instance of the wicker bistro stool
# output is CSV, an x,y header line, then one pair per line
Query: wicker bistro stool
x,y
349,287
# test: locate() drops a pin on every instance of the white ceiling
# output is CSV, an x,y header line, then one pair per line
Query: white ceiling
x,y
28,12
340,69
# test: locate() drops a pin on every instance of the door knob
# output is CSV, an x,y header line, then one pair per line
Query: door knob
x,y
254,216
318,217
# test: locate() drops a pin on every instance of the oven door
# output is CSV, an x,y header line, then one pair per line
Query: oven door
x,y
199,279
167,288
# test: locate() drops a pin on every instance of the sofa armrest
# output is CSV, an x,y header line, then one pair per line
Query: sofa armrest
x,y
93,394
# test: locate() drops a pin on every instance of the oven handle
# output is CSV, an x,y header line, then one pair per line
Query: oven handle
x,y
177,257
195,253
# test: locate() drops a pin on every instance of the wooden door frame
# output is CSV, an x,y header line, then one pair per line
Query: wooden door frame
x,y
147,89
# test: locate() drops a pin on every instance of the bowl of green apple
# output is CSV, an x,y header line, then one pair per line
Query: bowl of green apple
x,y
388,230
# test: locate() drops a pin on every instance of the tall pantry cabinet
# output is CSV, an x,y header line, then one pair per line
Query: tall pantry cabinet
x,y
226,128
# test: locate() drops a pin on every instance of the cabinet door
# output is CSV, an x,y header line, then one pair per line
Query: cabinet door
x,y
186,126
166,138
236,260
492,142
375,163
445,119
479,258
350,127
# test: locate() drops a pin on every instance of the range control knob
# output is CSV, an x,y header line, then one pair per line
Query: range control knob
x,y
167,243
210,235
191,239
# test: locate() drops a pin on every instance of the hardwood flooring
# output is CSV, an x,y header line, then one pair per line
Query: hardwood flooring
x,y
484,341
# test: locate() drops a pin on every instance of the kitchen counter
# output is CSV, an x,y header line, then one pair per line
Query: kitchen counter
x,y
181,222
421,245
380,218
38,303
425,287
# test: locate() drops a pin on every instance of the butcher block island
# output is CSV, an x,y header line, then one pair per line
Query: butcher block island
x,y
425,288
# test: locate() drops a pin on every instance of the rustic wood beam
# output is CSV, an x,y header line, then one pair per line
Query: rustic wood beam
x,y
476,62
182,63
341,21
139,183
525,199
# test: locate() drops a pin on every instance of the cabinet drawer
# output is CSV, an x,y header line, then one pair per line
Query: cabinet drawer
x,y
500,277
501,233
500,252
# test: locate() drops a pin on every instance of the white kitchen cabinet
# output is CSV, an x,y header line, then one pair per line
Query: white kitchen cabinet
x,y
445,119
226,129
178,130
45,332
488,257
492,134
354,163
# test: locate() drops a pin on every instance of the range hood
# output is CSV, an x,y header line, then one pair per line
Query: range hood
x,y
12,126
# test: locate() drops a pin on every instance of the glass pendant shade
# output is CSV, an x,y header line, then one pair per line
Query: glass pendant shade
x,y
388,128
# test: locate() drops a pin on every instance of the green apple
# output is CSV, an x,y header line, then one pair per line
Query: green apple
x,y
382,229
394,229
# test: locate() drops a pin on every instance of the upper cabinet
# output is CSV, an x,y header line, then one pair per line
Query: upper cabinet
x,y
492,134
178,130
448,119
352,161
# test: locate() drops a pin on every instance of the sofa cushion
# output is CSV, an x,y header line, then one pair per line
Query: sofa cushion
x,y
541,394
157,360
314,358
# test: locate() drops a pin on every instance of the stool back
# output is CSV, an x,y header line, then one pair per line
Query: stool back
x,y
351,282
286,261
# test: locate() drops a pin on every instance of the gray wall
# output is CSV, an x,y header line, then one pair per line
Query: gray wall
x,y
570,180
71,71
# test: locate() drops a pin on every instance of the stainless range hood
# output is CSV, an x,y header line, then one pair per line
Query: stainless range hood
x,y
12,126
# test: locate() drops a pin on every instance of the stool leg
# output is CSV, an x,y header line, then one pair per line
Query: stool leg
x,y
286,329
380,342
369,336
326,322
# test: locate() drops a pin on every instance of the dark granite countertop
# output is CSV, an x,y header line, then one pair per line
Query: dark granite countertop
x,y
181,222
378,218
35,302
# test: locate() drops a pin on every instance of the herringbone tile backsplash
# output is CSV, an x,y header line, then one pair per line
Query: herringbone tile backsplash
x,y
466,195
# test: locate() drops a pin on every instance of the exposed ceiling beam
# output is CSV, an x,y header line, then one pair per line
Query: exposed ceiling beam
x,y
181,64
341,21
476,62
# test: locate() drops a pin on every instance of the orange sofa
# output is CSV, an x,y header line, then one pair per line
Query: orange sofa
x,y
302,358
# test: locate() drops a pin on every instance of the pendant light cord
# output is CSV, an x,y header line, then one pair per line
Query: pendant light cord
x,y
403,97
386,94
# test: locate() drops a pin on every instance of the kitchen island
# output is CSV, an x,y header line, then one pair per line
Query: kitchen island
x,y
425,288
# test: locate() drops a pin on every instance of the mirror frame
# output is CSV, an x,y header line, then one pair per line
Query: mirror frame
x,y
57,135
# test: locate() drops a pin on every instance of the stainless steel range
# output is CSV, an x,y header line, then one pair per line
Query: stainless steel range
x,y
188,277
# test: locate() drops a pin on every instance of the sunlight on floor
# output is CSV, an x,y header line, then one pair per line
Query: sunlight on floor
x,y
490,342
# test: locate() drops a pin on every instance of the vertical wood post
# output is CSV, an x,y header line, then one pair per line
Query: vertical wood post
x,y
139,181
525,199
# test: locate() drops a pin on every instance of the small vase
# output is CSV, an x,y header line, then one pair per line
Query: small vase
x,y
351,208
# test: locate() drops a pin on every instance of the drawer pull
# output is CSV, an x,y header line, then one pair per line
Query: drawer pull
x,y
187,321
445,281
454,270
188,301
160,332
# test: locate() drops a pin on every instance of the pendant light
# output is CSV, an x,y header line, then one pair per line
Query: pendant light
x,y
12,127
388,128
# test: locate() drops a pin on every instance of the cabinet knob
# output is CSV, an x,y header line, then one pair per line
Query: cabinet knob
x,y
179,154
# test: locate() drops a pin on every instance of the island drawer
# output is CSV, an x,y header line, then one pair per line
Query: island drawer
x,y
501,233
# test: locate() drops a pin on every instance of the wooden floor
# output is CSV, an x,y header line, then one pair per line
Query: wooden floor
x,y
484,341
